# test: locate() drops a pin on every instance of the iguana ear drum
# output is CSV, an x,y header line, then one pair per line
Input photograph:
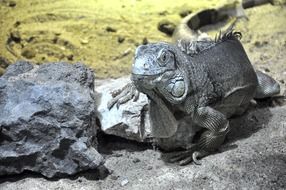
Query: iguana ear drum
x,y
176,89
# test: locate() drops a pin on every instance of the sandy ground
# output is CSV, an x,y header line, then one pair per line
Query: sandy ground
x,y
100,34
253,158
104,35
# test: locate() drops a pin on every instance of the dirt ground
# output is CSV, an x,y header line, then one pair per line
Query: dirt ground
x,y
89,31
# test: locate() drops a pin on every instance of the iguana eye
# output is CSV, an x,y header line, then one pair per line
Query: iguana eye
x,y
163,57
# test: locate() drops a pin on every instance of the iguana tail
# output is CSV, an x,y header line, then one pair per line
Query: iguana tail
x,y
267,86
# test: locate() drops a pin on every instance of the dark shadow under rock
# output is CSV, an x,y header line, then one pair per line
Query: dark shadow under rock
x,y
109,143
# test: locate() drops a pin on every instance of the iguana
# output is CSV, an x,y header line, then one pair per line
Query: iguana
x,y
207,81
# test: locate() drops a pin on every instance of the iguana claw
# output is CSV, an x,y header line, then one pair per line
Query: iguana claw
x,y
123,95
182,157
195,158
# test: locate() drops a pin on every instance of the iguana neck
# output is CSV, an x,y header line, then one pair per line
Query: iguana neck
x,y
199,84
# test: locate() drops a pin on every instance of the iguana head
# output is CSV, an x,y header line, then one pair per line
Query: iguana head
x,y
153,59
157,66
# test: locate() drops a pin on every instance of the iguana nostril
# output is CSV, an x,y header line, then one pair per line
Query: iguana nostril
x,y
145,66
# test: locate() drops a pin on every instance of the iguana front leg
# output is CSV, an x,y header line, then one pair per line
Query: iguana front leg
x,y
123,95
216,125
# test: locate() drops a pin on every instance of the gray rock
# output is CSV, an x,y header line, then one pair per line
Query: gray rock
x,y
47,122
130,120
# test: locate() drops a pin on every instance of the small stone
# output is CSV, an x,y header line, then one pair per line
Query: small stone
x,y
136,160
166,27
120,39
28,53
263,57
145,41
110,29
55,40
70,57
117,155
259,44
163,13
149,168
4,63
15,36
266,70
84,41
282,81
12,3
126,52
17,23
124,182
114,177
185,12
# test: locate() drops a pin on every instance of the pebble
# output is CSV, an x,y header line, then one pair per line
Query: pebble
x,y
15,36
70,57
136,160
145,41
163,13
260,44
120,39
110,29
149,168
12,3
84,41
166,27
185,12
114,177
124,182
17,23
126,52
28,53
117,155
4,63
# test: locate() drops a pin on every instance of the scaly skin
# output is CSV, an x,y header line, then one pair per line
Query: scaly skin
x,y
208,84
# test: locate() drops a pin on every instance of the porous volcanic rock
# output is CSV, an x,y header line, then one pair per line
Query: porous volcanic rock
x,y
47,122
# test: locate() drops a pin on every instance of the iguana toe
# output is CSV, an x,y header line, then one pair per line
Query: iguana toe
x,y
195,158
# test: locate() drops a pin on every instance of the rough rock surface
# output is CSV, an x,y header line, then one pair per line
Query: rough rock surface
x,y
47,122
130,120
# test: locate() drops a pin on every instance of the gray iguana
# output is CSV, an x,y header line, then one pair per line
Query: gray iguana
x,y
207,81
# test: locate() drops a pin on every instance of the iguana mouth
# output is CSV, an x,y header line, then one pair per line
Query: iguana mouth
x,y
145,81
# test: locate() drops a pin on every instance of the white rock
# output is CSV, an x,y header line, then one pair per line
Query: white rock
x,y
124,182
130,120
